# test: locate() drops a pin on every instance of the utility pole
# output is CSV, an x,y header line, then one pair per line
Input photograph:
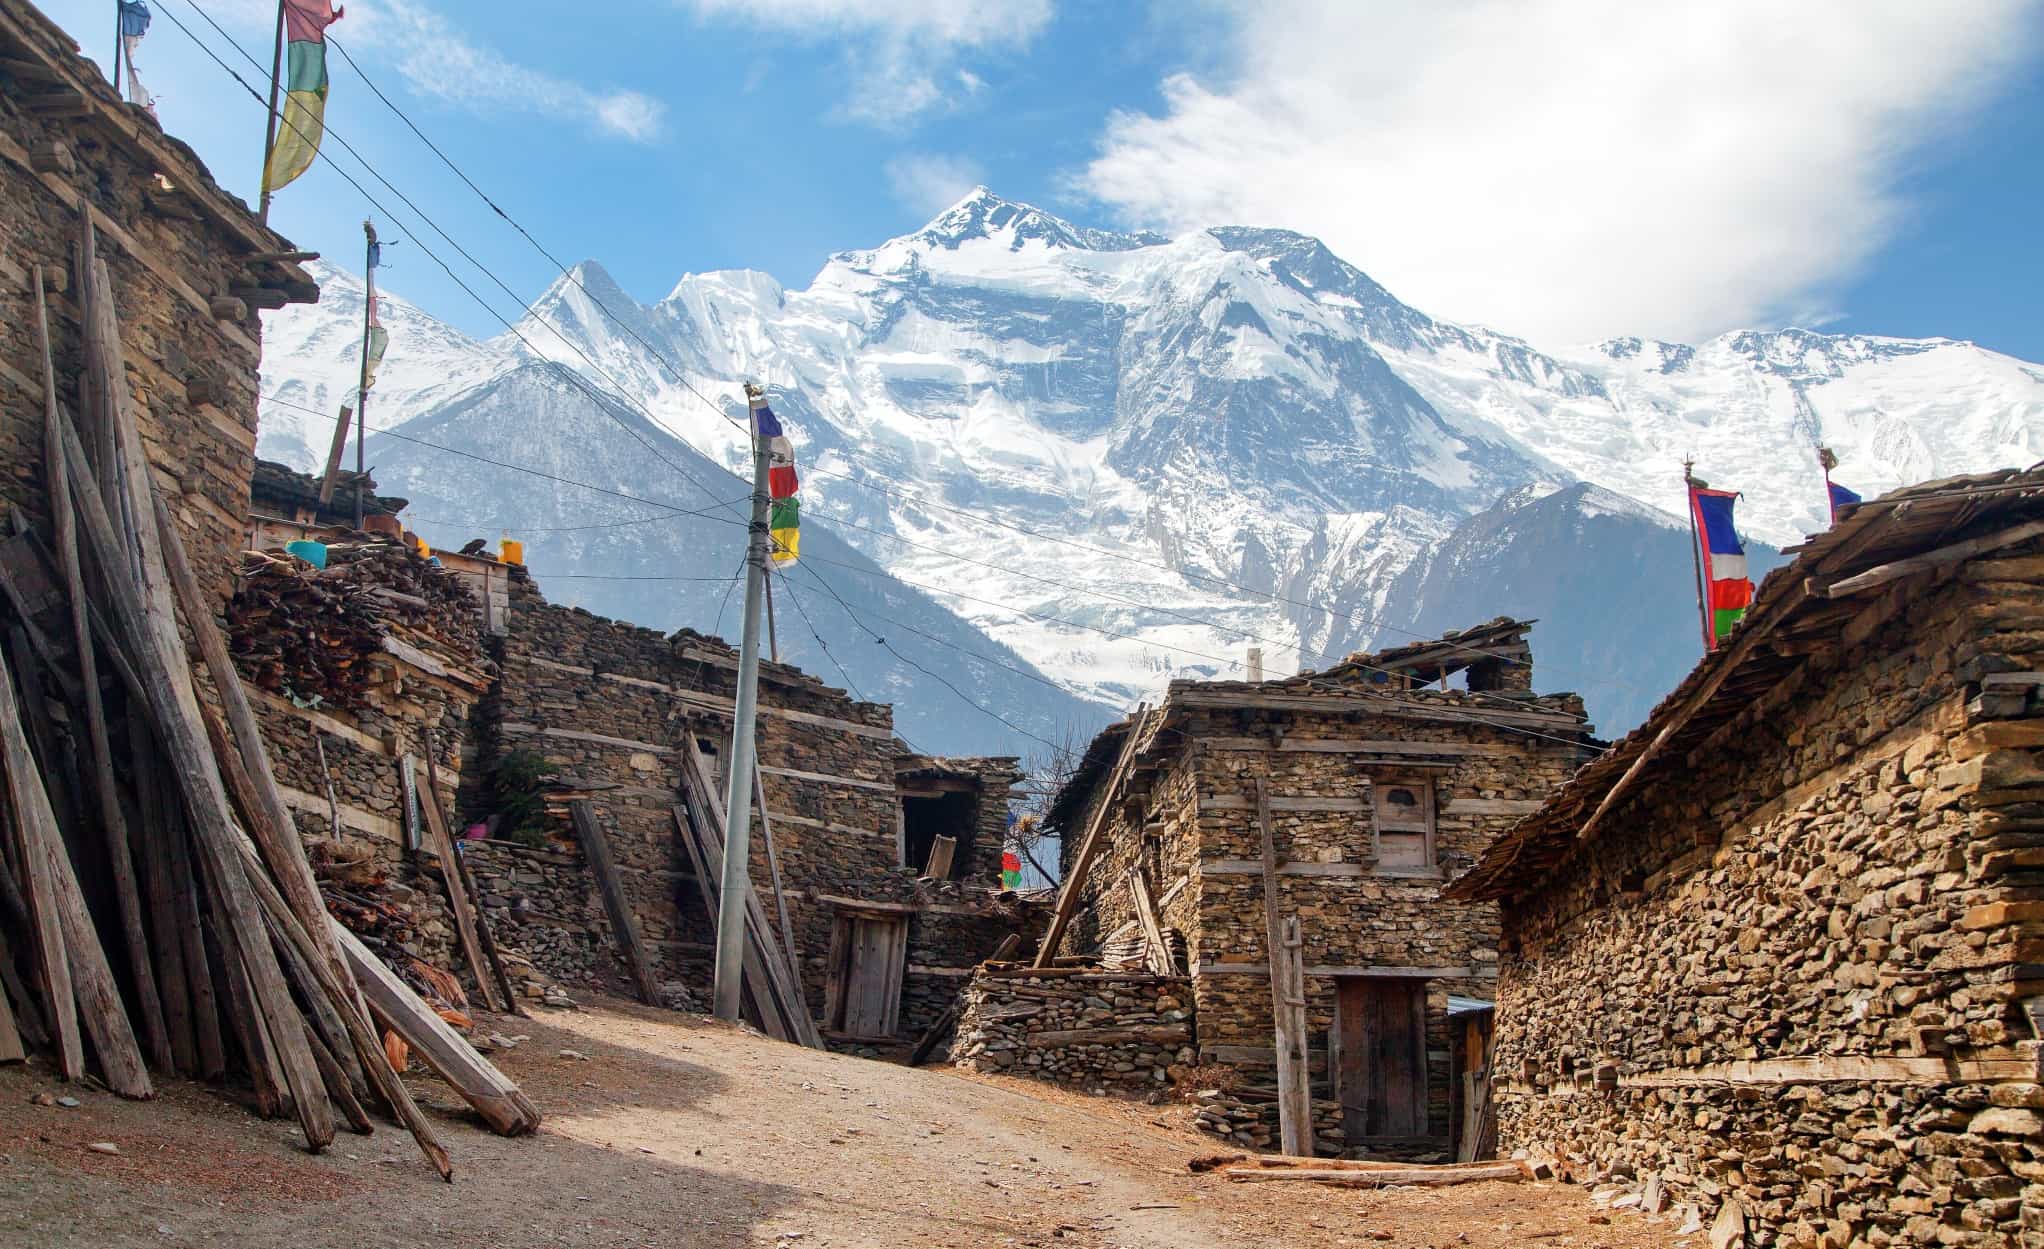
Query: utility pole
x,y
738,784
362,384
1689,485
270,132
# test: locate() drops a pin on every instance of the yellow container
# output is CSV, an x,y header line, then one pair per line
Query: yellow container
x,y
425,551
513,552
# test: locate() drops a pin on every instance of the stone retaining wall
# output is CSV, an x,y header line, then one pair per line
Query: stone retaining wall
x,y
1100,1032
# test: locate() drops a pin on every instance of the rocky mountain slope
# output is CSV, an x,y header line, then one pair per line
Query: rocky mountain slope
x,y
1131,457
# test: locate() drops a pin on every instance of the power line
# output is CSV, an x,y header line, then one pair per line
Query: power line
x,y
624,395
370,167
681,376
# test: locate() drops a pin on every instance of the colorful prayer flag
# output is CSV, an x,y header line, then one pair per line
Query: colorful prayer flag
x,y
1011,870
1840,497
305,85
1729,591
785,514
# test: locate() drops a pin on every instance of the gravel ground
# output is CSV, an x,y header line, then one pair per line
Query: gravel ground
x,y
672,1130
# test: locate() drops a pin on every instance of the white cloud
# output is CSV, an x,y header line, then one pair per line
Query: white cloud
x,y
930,182
438,60
902,54
1572,169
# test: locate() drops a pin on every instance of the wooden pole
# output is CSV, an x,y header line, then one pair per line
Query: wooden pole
x,y
270,126
1287,1002
624,927
468,881
766,827
1089,846
362,382
91,979
443,849
334,451
152,635
112,821
1696,559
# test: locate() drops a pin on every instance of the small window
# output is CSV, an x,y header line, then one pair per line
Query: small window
x,y
1403,828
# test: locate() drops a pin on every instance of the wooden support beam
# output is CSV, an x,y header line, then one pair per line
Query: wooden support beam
x,y
495,961
1287,996
1089,845
1156,954
1942,557
624,927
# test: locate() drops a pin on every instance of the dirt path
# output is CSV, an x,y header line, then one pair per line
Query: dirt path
x,y
675,1131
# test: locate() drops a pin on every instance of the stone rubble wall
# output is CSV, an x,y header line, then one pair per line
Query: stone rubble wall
x,y
1098,1032
1798,978
1252,1123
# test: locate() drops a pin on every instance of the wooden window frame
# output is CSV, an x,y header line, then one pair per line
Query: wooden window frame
x,y
1429,809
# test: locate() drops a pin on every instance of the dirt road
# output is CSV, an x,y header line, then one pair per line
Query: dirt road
x,y
674,1131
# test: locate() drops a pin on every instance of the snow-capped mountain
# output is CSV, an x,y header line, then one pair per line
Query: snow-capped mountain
x,y
1131,457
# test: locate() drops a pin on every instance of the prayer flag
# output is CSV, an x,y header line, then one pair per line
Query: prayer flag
x,y
377,338
1011,870
134,19
304,120
785,514
1840,497
1729,592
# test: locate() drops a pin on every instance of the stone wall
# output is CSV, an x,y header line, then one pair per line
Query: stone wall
x,y
1795,975
192,377
1100,1032
607,705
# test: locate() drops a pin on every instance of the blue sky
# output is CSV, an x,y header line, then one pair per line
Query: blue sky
x,y
1562,169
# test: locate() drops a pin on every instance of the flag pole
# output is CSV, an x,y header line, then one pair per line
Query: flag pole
x,y
773,640
736,875
1689,484
362,382
1826,460
270,131
120,44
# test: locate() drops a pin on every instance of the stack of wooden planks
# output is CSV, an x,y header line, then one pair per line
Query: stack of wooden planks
x,y
772,985
158,914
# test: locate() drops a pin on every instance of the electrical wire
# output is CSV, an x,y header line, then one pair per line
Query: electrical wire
x,y
574,377
680,376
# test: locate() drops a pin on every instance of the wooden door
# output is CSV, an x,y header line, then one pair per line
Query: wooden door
x,y
868,957
1380,1056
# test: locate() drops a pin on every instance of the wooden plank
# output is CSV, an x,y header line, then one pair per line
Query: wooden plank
x,y
1942,557
942,850
505,989
1356,1178
766,828
1089,845
1383,705
1295,1110
507,1110
624,925
333,456
100,1010
1306,802
154,827
1156,952
32,822
442,848
826,778
112,820
1365,746
408,802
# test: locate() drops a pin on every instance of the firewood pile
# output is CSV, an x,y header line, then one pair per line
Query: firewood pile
x,y
158,913
312,633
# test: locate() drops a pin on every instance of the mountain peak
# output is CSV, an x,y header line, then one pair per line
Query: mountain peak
x,y
981,214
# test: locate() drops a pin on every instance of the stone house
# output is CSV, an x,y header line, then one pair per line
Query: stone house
x,y
1779,954
188,265
1381,783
